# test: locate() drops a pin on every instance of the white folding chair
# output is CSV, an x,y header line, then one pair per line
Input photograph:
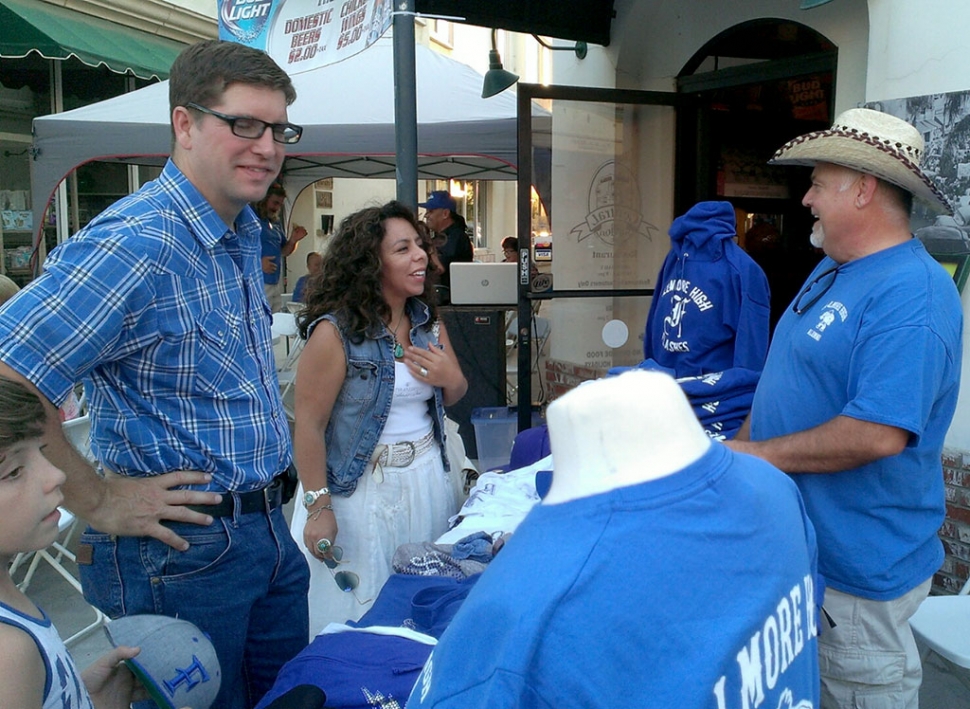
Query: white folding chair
x,y
942,625
284,325
77,431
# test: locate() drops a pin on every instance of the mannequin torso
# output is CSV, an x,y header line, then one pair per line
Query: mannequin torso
x,y
622,431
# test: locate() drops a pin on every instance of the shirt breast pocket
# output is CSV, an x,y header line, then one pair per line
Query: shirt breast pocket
x,y
360,381
218,354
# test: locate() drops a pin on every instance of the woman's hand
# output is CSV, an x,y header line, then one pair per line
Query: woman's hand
x,y
320,526
432,366
438,366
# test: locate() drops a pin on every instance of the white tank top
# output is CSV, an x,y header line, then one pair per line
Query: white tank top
x,y
409,419
63,686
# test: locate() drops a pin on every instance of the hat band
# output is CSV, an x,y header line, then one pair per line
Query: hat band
x,y
881,144
886,146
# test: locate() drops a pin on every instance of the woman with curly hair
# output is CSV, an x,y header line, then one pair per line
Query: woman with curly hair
x,y
371,386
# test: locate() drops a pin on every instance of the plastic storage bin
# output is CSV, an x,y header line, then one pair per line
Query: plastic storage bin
x,y
495,429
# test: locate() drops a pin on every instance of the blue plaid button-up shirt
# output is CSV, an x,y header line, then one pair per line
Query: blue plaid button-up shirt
x,y
159,309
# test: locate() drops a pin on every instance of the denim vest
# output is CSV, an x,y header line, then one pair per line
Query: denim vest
x,y
364,401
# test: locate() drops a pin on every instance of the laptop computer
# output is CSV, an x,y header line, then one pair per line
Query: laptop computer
x,y
484,283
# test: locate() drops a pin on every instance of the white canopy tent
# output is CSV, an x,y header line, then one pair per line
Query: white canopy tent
x,y
346,109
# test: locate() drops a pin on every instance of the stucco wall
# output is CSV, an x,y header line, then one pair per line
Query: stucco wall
x,y
652,41
917,49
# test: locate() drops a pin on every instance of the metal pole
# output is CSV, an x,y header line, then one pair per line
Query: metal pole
x,y
405,105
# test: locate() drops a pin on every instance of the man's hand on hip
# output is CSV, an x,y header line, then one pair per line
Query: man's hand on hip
x,y
135,507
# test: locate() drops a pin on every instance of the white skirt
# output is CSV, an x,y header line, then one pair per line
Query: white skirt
x,y
402,506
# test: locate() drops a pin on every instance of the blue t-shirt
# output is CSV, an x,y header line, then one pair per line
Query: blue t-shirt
x,y
881,344
694,590
272,239
356,670
298,290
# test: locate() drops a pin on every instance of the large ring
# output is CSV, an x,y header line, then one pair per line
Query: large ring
x,y
323,545
424,372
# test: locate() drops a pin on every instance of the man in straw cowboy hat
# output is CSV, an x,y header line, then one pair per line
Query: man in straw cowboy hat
x,y
856,397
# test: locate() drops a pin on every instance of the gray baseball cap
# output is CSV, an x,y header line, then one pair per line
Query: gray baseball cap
x,y
177,663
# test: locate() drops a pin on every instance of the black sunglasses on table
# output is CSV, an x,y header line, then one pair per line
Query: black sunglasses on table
x,y
253,128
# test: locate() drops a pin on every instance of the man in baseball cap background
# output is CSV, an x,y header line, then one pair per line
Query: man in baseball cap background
x,y
451,235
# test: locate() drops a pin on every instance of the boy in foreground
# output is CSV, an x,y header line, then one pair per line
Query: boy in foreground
x,y
37,669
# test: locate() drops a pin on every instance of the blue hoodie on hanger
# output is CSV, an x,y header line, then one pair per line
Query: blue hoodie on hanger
x,y
710,310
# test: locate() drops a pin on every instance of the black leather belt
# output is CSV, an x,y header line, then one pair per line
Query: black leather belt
x,y
269,498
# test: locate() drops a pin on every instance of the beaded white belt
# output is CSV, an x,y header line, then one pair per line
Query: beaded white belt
x,y
401,455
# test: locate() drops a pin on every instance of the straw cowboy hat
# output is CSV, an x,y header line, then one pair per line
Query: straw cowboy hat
x,y
872,142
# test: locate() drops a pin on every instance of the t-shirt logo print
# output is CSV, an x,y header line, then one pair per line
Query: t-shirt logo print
x,y
830,314
673,325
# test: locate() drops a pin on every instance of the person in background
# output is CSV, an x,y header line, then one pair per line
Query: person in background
x,y
856,397
451,235
510,249
314,261
157,305
275,245
371,386
38,670
434,263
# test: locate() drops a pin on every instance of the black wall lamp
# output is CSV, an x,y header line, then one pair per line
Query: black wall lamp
x,y
497,79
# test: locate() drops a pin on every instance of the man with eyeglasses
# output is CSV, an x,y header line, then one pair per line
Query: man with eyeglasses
x,y
856,397
158,307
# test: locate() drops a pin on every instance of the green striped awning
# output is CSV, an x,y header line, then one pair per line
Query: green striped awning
x,y
55,32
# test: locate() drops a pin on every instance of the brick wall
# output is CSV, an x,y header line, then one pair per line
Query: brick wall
x,y
563,376
955,532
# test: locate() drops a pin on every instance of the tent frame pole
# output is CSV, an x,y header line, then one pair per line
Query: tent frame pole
x,y
405,105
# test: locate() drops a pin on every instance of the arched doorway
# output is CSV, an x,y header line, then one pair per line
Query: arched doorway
x,y
752,88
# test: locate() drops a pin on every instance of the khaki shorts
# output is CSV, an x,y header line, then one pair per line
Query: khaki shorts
x,y
869,660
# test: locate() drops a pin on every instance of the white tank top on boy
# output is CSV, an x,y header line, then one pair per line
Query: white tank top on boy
x,y
63,687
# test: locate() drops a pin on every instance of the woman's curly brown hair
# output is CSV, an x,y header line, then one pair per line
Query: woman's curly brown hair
x,y
349,284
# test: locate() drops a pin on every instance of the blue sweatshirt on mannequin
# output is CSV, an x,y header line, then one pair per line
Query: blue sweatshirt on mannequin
x,y
710,310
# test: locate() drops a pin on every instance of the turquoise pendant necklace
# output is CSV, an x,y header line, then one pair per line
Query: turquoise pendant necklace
x,y
398,347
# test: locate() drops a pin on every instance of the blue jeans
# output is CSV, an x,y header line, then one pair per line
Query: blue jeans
x,y
243,581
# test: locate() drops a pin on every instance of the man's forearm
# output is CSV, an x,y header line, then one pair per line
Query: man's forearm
x,y
843,443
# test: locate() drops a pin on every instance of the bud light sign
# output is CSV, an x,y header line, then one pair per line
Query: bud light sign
x,y
304,34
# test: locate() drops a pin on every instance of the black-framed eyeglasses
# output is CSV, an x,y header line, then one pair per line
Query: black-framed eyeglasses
x,y
253,128
813,292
